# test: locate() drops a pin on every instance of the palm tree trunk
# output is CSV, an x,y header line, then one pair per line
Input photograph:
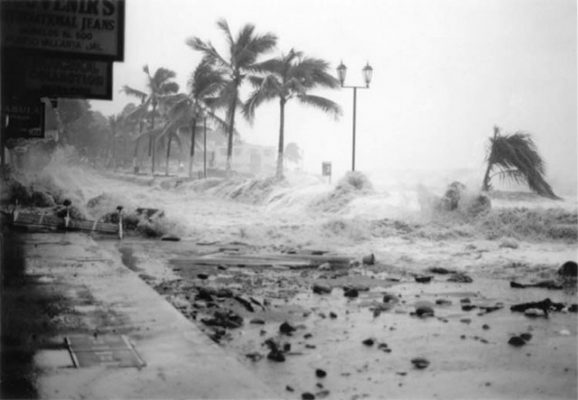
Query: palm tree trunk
x,y
231,128
192,153
113,153
205,147
281,139
152,144
486,181
168,153
135,153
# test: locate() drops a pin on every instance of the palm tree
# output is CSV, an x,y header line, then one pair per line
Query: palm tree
x,y
243,52
205,85
287,77
161,88
517,159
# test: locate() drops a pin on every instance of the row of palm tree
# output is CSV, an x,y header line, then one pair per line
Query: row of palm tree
x,y
215,86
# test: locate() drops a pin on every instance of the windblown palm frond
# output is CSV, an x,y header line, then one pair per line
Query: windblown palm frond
x,y
209,52
205,81
134,92
322,103
516,158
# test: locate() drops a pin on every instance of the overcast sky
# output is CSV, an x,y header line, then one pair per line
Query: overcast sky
x,y
445,72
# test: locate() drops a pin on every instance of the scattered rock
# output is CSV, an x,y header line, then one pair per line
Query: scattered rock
x,y
320,373
460,277
486,327
389,298
423,278
420,362
203,276
368,260
350,292
323,393
384,347
324,267
468,307
441,270
443,302
466,320
254,356
568,269
526,336
307,396
368,342
256,321
286,329
170,238
423,311
289,388
321,289
573,308
516,341
276,355
225,319
332,315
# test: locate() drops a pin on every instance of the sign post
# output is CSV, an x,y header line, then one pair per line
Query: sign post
x,y
326,169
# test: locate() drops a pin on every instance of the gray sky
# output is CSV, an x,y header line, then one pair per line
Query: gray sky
x,y
445,72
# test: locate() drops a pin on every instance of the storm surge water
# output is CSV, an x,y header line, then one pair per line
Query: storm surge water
x,y
302,210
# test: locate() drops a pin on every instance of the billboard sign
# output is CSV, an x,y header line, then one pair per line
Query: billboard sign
x,y
55,76
87,28
23,120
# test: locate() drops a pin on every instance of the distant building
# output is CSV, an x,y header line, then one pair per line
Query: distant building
x,y
247,158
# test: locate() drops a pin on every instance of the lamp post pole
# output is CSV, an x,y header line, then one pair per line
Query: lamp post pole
x,y
354,118
367,75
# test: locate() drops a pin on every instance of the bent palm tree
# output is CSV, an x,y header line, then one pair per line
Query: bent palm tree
x,y
288,77
161,87
517,159
240,60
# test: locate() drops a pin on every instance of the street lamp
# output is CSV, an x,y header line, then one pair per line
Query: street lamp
x,y
367,75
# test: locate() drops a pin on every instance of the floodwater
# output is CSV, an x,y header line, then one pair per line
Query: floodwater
x,y
468,351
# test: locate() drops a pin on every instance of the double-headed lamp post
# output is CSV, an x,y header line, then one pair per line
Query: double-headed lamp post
x,y
367,75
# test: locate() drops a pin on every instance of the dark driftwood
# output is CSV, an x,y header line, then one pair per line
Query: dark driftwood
x,y
542,284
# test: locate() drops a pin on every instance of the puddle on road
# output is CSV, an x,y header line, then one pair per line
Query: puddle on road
x,y
468,352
